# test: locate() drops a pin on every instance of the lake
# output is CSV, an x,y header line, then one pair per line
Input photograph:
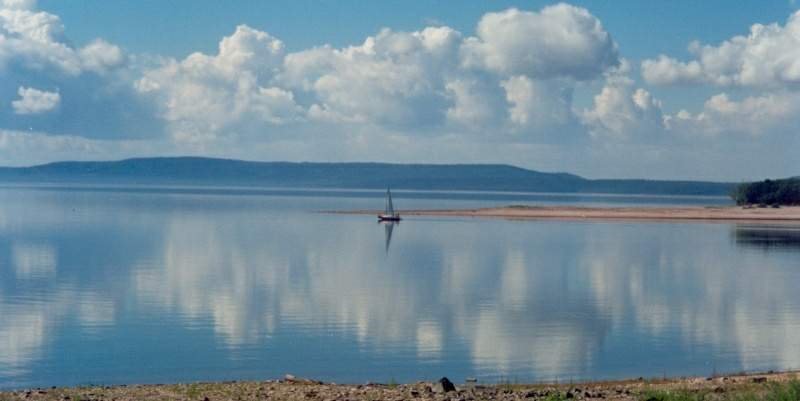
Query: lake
x,y
156,285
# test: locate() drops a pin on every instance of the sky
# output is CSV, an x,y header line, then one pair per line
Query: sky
x,y
622,89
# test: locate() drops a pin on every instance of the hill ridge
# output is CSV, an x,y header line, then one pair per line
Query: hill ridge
x,y
366,175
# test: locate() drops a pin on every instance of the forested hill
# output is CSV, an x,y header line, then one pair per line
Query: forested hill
x,y
769,192
220,172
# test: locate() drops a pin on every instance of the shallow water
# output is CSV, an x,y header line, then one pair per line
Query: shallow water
x,y
107,286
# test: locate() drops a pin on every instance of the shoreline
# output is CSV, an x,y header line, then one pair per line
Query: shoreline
x,y
785,214
743,386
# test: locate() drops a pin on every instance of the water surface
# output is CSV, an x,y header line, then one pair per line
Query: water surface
x,y
102,285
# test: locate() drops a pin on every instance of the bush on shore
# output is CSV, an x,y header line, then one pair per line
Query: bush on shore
x,y
768,192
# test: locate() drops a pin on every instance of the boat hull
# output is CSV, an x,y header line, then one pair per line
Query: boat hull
x,y
384,217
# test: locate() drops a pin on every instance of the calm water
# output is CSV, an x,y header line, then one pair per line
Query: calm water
x,y
129,286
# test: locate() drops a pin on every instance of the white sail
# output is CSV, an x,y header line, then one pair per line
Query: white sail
x,y
389,206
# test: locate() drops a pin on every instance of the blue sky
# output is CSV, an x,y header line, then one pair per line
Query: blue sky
x,y
598,88
177,28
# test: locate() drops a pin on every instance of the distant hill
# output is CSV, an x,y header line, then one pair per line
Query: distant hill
x,y
209,171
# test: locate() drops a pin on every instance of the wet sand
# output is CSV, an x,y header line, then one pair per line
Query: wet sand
x,y
787,214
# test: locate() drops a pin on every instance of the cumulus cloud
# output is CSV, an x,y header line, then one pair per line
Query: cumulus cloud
x,y
474,102
429,82
204,96
393,78
100,56
537,104
559,41
34,101
95,97
622,112
752,115
33,39
769,56
542,88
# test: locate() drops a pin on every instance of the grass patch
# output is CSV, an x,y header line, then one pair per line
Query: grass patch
x,y
193,391
673,395
559,396
787,391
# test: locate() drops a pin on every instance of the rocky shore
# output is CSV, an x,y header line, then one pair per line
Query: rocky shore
x,y
738,387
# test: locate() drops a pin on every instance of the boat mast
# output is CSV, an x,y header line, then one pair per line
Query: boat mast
x,y
389,206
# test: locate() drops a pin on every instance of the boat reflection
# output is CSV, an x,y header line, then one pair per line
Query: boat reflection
x,y
388,227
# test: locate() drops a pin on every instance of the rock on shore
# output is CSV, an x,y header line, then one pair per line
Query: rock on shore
x,y
291,388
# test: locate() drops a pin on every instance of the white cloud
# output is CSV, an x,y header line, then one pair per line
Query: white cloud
x,y
394,84
34,101
474,103
95,97
753,115
35,40
622,112
769,56
544,105
665,70
504,93
100,56
559,41
393,78
203,97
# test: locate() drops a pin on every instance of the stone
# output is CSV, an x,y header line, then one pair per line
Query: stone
x,y
444,385
759,380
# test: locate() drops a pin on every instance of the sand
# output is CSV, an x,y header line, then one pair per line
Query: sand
x,y
684,213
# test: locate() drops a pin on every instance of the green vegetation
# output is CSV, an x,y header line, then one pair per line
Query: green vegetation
x,y
673,395
557,397
193,391
787,391
768,192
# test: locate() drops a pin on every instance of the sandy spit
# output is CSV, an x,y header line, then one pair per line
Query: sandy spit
x,y
789,214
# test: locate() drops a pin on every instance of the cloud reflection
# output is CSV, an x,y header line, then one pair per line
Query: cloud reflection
x,y
33,260
534,300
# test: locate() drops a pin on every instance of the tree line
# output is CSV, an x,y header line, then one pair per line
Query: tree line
x,y
768,192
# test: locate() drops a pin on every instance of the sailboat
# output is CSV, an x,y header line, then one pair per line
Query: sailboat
x,y
389,214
